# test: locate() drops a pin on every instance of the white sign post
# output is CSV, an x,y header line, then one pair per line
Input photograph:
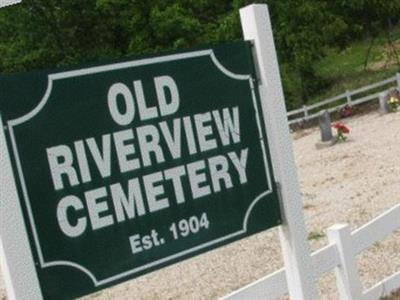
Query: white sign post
x,y
15,255
4,3
17,260
293,234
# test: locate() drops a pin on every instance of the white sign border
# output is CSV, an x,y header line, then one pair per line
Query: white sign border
x,y
112,67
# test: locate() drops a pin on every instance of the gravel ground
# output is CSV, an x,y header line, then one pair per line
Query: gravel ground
x,y
350,182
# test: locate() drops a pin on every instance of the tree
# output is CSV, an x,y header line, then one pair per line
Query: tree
x,y
303,30
369,17
50,33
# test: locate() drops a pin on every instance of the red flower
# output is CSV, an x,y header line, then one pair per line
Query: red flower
x,y
341,127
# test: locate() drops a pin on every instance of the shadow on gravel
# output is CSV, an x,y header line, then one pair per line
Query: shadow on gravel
x,y
394,296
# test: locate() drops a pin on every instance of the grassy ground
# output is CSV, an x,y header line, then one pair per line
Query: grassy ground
x,y
346,69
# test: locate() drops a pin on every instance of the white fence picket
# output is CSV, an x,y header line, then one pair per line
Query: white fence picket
x,y
348,99
383,288
325,259
376,230
347,279
275,283
340,253
327,101
374,85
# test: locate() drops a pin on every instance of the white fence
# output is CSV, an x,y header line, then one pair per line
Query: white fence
x,y
340,255
348,98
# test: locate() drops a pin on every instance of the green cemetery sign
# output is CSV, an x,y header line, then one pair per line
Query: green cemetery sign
x,y
127,167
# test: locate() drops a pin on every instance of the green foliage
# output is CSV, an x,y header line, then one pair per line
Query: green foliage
x,y
315,235
49,33
302,43
344,68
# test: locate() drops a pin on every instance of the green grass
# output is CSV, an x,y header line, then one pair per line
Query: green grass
x,y
315,235
345,70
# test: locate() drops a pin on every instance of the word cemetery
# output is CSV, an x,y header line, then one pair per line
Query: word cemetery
x,y
126,167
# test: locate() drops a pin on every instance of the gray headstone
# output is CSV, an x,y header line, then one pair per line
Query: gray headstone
x,y
325,126
383,104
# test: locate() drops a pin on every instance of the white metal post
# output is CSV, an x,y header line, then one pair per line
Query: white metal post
x,y
398,79
293,234
348,97
305,111
15,255
383,105
348,281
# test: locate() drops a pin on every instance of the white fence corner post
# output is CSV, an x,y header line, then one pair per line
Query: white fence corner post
x,y
16,259
383,105
348,97
347,278
256,27
305,111
398,79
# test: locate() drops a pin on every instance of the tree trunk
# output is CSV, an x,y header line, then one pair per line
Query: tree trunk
x,y
371,43
390,42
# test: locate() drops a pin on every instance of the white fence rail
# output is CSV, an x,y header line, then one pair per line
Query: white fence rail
x,y
307,112
339,255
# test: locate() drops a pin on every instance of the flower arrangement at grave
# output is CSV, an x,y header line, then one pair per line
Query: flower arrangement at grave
x,y
341,131
394,104
394,100
346,111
